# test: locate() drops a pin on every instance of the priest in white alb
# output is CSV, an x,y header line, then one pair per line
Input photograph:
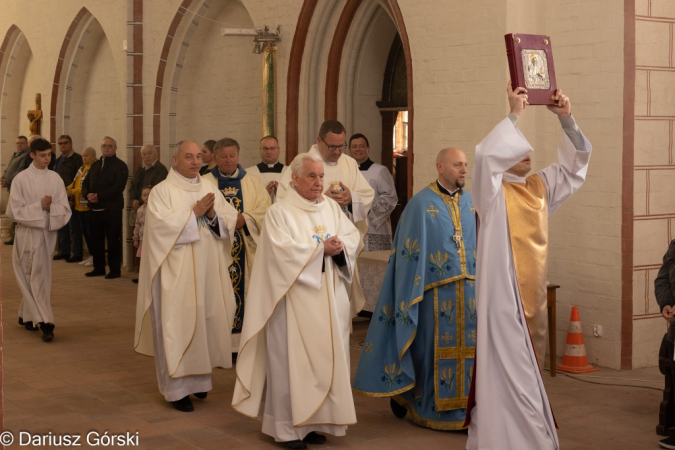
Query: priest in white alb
x,y
344,183
508,405
185,300
293,364
39,205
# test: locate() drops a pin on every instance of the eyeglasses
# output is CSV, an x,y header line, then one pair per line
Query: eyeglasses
x,y
268,148
332,148
107,146
64,143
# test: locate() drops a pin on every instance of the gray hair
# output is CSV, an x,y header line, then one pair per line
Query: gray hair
x,y
108,137
299,161
179,146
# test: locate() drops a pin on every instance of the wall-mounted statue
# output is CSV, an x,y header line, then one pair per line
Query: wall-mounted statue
x,y
35,116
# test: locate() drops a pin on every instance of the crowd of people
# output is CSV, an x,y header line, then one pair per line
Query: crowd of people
x,y
260,264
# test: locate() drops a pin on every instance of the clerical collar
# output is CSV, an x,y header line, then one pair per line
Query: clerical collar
x,y
270,168
234,175
186,179
365,165
445,190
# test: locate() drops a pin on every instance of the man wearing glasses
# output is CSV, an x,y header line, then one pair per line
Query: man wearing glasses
x,y
270,169
66,166
343,183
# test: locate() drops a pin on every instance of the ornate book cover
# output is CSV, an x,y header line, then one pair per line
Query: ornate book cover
x,y
531,66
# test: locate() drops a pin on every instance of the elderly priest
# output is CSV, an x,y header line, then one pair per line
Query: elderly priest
x,y
295,341
184,298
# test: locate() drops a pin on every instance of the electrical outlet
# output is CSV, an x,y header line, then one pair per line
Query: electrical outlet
x,y
597,330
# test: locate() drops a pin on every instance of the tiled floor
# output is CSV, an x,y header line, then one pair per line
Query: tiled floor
x,y
90,379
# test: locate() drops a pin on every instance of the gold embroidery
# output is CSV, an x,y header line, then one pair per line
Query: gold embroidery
x,y
417,280
368,347
433,211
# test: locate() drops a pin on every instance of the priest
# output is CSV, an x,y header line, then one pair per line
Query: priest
x,y
379,178
183,297
248,196
423,331
39,205
513,211
270,169
343,183
294,353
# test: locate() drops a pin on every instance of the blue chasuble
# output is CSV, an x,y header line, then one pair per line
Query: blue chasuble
x,y
421,341
230,187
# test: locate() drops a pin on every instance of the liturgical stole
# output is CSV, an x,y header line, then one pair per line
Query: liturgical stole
x,y
527,211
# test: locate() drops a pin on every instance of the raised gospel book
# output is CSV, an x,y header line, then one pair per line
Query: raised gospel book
x,y
531,66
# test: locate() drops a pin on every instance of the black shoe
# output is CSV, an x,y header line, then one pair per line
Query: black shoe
x,y
201,395
314,438
112,276
398,410
10,242
135,280
47,331
94,273
74,259
668,442
58,257
184,404
29,325
295,445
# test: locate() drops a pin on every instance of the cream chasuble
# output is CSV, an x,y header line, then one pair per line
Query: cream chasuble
x,y
346,170
181,268
507,376
35,239
255,201
317,319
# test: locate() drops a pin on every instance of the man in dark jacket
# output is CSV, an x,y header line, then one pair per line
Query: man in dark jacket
x,y
14,166
104,189
664,290
150,173
66,166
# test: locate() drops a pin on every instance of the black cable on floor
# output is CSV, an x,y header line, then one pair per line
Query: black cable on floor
x,y
606,384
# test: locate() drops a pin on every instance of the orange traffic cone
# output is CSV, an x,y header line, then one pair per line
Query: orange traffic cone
x,y
574,359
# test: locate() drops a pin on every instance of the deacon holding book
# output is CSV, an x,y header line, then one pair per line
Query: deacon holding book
x,y
508,406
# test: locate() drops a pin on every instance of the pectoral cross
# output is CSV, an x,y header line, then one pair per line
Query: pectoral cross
x,y
458,239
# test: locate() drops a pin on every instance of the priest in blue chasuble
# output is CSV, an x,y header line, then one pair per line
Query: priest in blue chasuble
x,y
246,193
420,346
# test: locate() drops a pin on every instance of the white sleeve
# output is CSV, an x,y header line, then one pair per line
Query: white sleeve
x,y
500,150
190,233
311,274
566,176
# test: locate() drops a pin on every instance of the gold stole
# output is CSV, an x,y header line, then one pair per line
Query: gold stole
x,y
527,211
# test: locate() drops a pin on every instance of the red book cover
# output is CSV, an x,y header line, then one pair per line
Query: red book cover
x,y
531,66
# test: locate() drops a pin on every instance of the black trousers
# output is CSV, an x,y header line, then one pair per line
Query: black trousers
x,y
106,224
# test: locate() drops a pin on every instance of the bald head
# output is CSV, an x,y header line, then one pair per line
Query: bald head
x,y
452,166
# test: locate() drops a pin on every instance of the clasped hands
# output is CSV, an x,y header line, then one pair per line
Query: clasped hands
x,y
332,246
668,313
46,202
343,197
204,206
